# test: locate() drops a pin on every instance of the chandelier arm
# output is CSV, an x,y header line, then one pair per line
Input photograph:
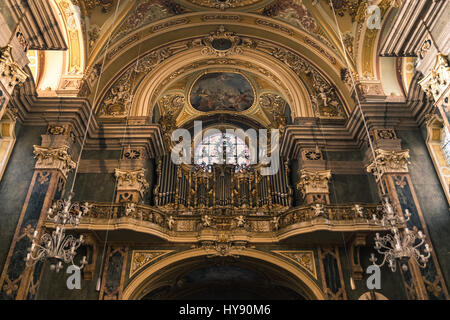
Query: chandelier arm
x,y
383,246
422,241
383,262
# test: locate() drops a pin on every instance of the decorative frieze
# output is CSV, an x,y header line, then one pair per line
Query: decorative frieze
x,y
389,162
223,4
54,158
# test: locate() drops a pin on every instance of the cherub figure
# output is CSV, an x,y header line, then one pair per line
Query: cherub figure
x,y
318,210
170,222
359,210
130,208
240,221
206,221
276,222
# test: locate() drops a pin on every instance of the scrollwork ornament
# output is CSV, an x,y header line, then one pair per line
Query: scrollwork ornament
x,y
222,43
275,107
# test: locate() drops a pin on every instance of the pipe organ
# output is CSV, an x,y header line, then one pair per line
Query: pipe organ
x,y
221,186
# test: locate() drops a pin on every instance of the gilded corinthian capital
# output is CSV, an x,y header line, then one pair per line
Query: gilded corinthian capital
x,y
389,162
54,158
314,181
131,180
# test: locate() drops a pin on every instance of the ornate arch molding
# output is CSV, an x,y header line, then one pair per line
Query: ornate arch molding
x,y
154,85
63,71
201,23
135,288
165,64
370,67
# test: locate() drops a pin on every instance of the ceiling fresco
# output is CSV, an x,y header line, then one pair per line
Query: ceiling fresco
x,y
221,91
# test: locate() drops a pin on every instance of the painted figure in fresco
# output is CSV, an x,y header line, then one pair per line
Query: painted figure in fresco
x,y
222,91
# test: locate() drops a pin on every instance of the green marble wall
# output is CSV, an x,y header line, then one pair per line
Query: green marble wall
x,y
353,189
98,187
430,195
54,285
15,183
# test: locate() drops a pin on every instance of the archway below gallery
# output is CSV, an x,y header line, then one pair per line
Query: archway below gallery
x,y
247,274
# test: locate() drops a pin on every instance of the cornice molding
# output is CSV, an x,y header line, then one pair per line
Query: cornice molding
x,y
408,32
39,16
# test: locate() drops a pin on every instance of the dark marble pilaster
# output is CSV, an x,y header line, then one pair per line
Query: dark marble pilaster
x,y
18,280
114,273
331,273
393,174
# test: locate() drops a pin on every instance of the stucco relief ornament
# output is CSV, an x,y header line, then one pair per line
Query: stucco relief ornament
x,y
223,247
13,112
130,209
240,221
275,222
114,104
438,80
223,4
319,210
171,106
170,222
325,101
9,68
359,210
206,221
275,107
221,43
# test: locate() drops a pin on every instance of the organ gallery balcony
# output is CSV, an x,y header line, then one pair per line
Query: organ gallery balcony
x,y
238,224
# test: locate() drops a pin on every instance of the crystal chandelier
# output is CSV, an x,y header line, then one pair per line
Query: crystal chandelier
x,y
401,244
57,246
